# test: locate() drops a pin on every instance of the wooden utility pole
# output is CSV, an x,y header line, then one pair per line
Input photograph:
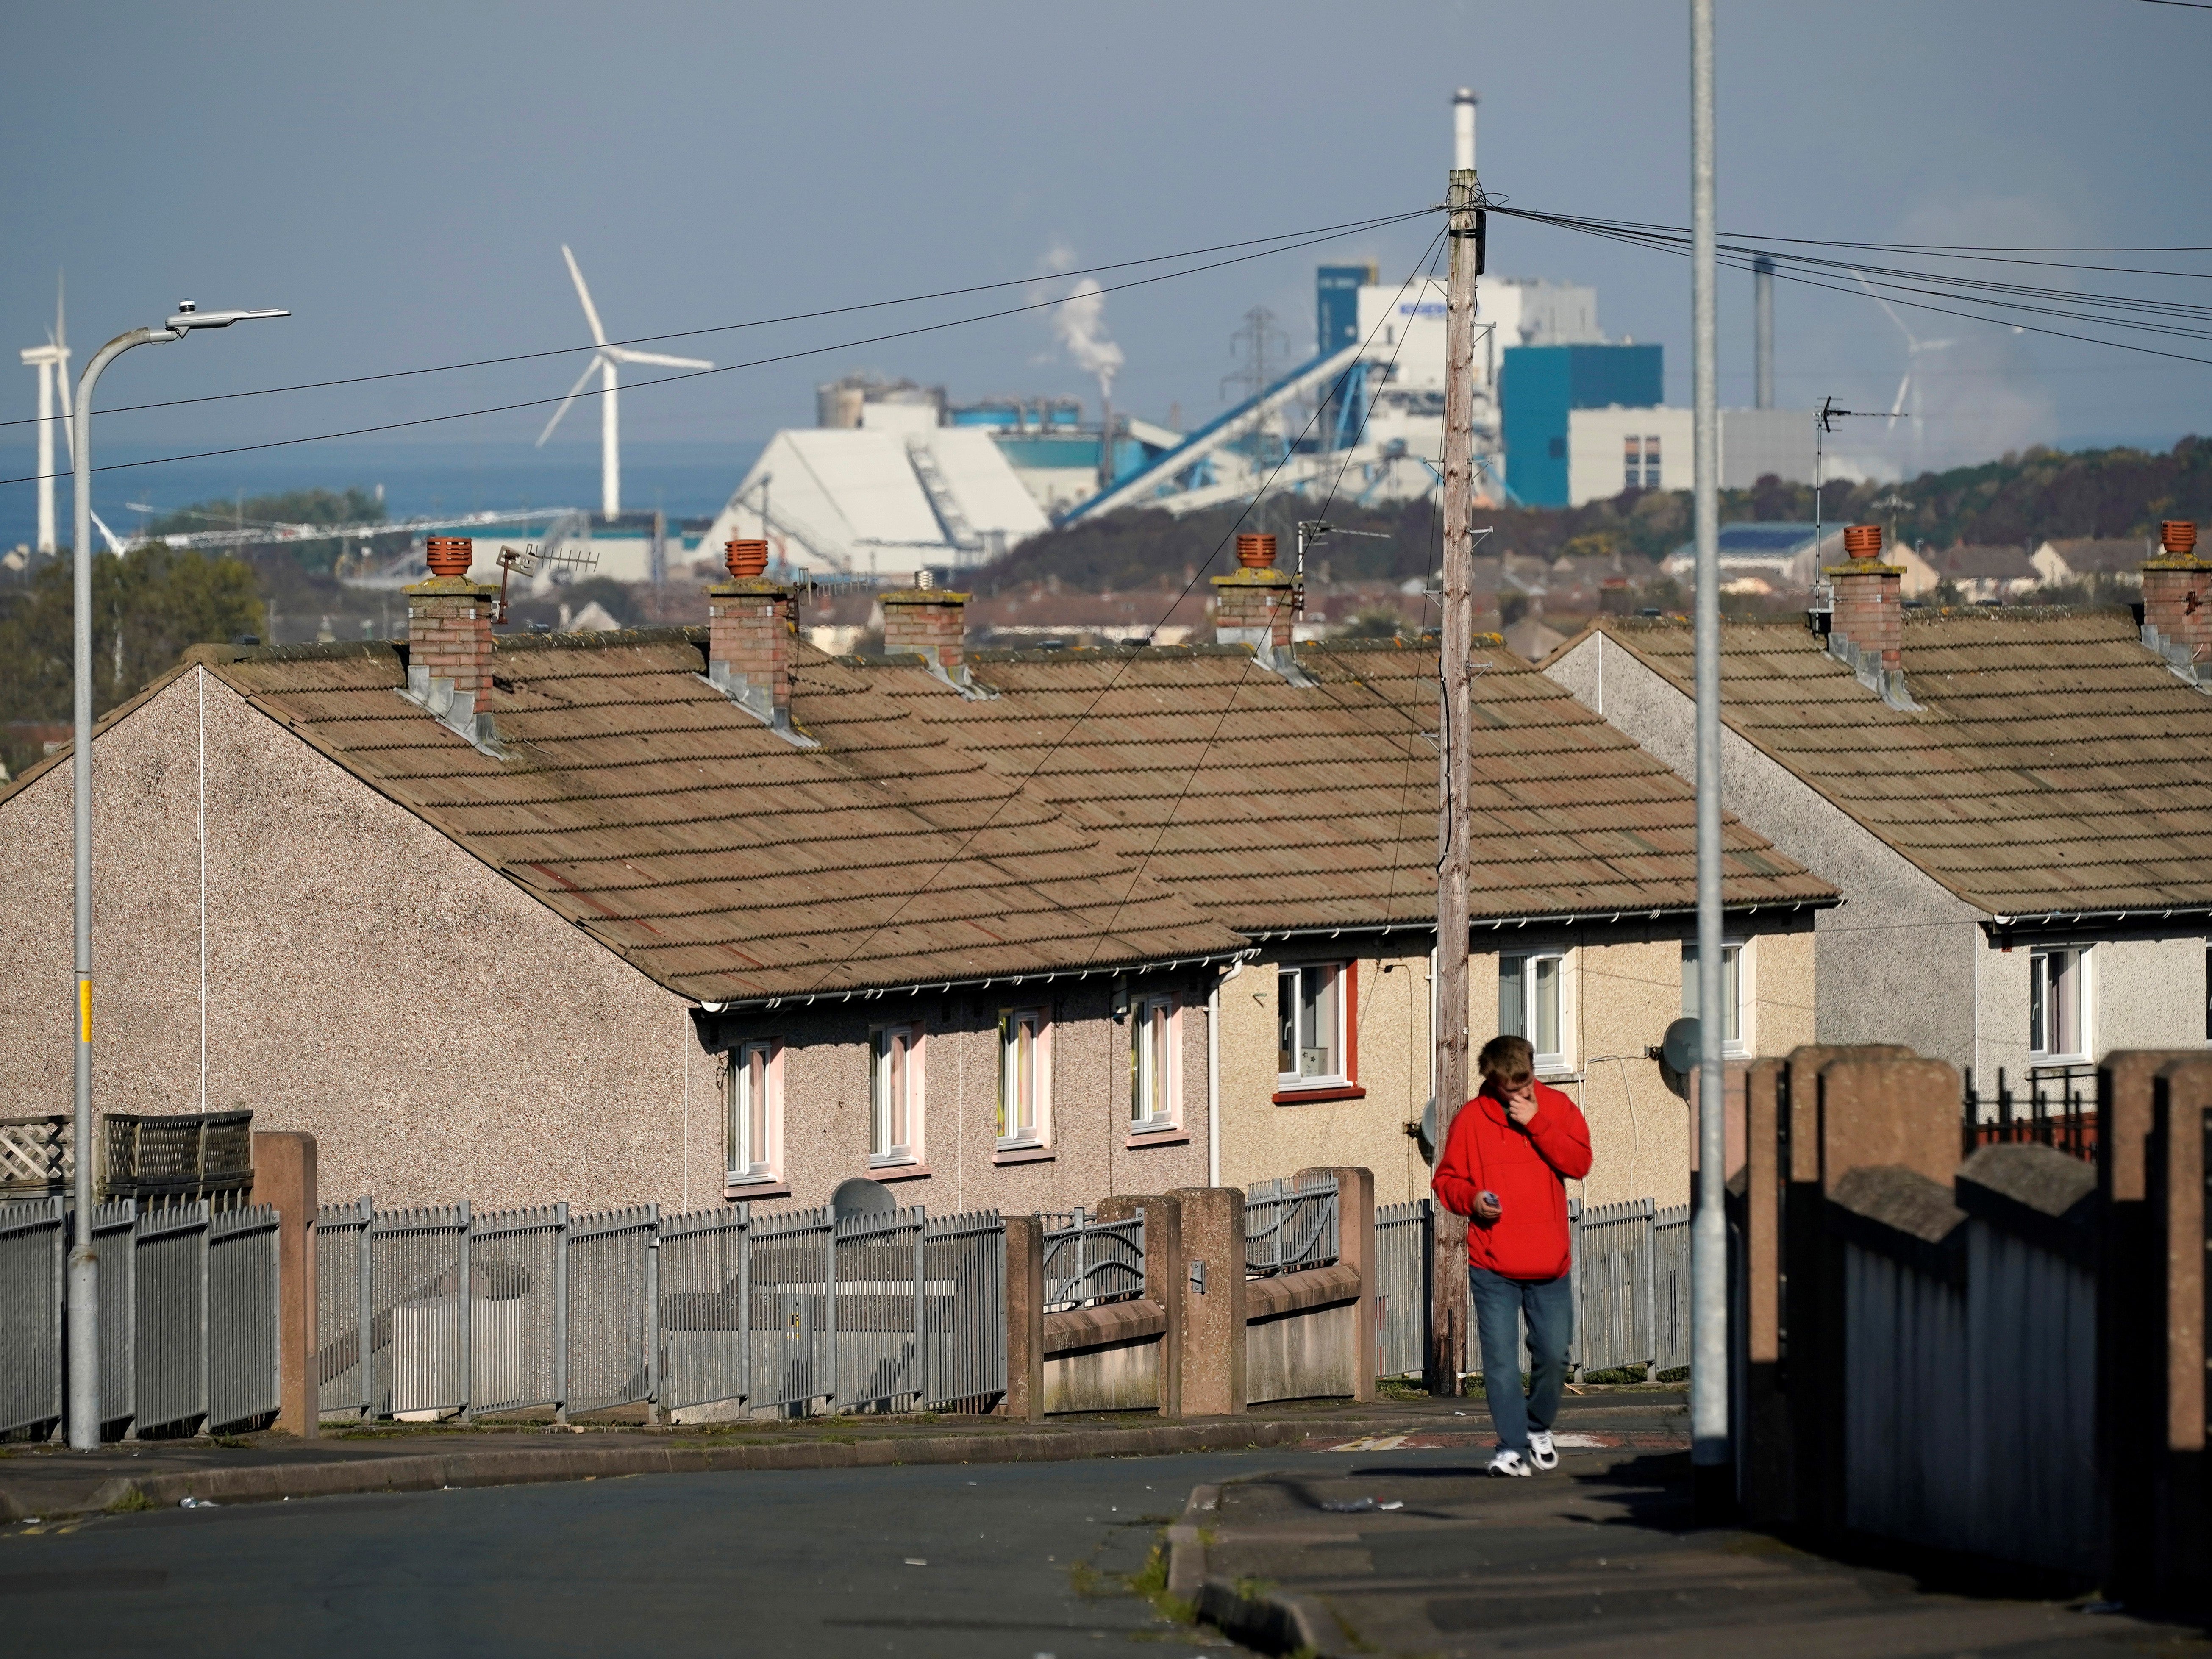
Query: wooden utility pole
x,y
1447,1355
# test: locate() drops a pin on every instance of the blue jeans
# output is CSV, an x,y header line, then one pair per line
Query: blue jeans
x,y
1550,1307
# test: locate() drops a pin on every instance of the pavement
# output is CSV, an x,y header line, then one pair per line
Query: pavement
x,y
51,1482
1401,1544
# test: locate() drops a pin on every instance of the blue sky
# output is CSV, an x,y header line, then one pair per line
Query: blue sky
x,y
402,176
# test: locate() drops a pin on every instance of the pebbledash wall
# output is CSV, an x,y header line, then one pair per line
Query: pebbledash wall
x,y
1621,987
318,954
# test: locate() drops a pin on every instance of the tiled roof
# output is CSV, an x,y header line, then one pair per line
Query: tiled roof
x,y
2054,765
1275,807
2085,555
1983,561
640,804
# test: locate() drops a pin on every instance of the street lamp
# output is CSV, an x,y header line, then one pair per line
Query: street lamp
x,y
84,1267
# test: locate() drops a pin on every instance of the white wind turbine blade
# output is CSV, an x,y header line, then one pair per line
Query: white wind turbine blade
x,y
624,355
591,367
1897,406
61,366
591,311
114,546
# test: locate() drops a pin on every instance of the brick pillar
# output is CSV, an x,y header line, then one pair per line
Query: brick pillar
x,y
2131,1311
1255,605
2176,620
930,623
449,647
1024,1400
1166,1281
1212,1300
1870,608
284,1175
749,646
2181,1504
1763,1439
1355,1248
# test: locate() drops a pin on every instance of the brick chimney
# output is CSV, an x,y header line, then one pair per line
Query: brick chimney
x,y
929,621
1866,628
1253,605
449,638
2177,615
749,634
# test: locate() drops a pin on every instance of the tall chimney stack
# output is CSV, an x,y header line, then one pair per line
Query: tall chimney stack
x,y
1867,626
449,638
749,633
1762,291
928,621
1463,104
2176,620
1253,605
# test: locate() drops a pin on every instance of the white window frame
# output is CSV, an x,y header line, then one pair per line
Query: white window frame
x,y
1556,1057
1155,1065
1734,953
1295,973
1038,1023
2040,1008
755,1066
884,1150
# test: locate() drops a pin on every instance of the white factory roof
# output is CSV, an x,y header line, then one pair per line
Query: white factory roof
x,y
870,500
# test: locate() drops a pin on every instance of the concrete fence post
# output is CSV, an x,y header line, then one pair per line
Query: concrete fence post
x,y
1024,1400
1164,1282
1763,1438
284,1176
1212,1300
1355,1248
2181,1124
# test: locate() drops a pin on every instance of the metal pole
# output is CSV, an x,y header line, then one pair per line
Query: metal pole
x,y
561,1313
1446,1359
365,1310
1709,1404
465,1360
655,1412
83,1266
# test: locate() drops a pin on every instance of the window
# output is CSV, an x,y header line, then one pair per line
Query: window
x,y
1731,993
1309,1016
895,1092
1632,463
1155,1092
756,1079
2055,1006
1651,460
1528,1004
1024,1075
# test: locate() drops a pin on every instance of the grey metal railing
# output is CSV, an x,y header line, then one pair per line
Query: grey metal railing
x,y
1289,1224
1630,1287
1088,1261
32,1254
438,1311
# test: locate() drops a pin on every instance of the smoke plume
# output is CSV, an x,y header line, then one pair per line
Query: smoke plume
x,y
1080,322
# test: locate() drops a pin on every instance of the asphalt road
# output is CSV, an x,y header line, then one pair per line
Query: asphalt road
x,y
953,1560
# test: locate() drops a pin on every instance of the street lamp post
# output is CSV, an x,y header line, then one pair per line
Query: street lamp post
x,y
84,1267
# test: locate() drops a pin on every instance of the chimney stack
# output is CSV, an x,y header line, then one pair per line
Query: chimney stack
x,y
449,638
1867,627
749,633
1463,104
928,621
1253,605
2177,618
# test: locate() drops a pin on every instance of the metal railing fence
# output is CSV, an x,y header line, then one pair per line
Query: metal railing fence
x,y
440,1311
188,1313
1289,1224
2058,1109
1630,1287
1088,1261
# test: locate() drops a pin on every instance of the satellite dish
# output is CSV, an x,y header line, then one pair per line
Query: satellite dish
x,y
861,1196
1428,1135
1679,1047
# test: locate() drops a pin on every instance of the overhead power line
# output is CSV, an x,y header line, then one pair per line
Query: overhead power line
x,y
1345,229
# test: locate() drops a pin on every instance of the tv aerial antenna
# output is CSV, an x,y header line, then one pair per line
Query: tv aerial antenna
x,y
532,557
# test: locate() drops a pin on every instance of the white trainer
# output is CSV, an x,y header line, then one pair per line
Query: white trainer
x,y
1507,1462
1541,1452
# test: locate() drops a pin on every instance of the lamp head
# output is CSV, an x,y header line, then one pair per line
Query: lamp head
x,y
188,316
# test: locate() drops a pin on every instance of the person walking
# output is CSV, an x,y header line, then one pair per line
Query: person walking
x,y
1506,1163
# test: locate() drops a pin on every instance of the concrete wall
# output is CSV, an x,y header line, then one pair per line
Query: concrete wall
x,y
1307,1355
441,1033
1118,1376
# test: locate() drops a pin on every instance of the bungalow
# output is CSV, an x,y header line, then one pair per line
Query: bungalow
x,y
1981,574
704,914
2016,803
2118,559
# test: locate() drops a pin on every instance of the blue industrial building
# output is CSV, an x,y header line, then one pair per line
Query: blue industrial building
x,y
1539,386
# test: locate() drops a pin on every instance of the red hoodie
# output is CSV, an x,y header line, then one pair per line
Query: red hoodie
x,y
1527,1168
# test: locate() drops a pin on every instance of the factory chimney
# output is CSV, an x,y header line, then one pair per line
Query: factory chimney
x,y
1762,279
1463,129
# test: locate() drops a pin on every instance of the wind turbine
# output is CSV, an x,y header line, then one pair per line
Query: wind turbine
x,y
1909,384
51,362
603,362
